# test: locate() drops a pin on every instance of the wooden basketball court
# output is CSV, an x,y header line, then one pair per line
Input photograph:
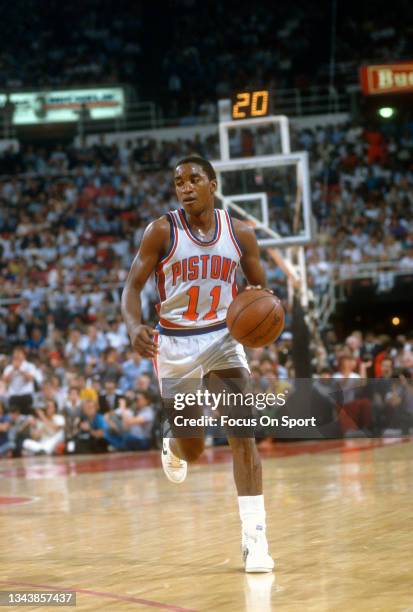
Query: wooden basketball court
x,y
112,528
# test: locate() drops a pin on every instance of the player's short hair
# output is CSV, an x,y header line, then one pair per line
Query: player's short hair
x,y
206,166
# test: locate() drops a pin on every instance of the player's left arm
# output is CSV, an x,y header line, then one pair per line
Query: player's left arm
x,y
251,263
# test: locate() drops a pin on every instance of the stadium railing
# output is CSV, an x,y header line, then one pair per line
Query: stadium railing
x,y
148,115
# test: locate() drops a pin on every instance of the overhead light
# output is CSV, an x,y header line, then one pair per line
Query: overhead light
x,y
395,321
386,112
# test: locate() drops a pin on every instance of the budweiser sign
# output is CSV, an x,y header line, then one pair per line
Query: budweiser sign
x,y
387,78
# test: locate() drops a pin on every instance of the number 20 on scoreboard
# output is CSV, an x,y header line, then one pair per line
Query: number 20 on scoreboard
x,y
248,104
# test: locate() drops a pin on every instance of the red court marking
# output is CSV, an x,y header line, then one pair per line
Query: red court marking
x,y
144,602
54,467
8,501
323,446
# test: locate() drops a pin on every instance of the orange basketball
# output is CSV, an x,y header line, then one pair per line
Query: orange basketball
x,y
255,318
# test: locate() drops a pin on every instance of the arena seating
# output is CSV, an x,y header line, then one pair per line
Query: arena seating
x,y
71,220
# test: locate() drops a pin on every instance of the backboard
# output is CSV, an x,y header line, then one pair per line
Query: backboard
x,y
272,192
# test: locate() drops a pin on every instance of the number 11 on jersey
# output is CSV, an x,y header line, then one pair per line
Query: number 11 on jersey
x,y
191,312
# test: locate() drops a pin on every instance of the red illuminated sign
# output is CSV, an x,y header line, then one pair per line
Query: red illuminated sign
x,y
387,78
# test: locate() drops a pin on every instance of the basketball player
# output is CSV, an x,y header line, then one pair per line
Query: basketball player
x,y
195,252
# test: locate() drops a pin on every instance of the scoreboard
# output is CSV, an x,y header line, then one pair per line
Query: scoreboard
x,y
250,104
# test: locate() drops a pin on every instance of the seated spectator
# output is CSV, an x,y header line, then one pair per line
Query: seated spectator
x,y
57,365
13,328
133,367
346,366
95,343
109,399
35,341
406,262
379,390
144,383
71,411
20,425
49,391
397,404
116,427
86,389
117,336
139,423
47,431
356,412
5,423
109,366
270,370
90,430
20,377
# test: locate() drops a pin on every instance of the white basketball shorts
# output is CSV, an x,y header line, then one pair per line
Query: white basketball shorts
x,y
196,355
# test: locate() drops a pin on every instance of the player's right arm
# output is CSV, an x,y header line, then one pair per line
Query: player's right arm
x,y
154,245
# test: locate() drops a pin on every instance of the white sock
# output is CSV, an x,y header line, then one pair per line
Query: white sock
x,y
252,513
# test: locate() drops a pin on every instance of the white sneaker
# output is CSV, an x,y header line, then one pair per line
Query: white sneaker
x,y
255,552
174,467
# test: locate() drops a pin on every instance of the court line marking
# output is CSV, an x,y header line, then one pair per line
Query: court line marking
x,y
150,460
22,500
140,600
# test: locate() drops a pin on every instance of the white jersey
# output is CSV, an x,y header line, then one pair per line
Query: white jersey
x,y
196,279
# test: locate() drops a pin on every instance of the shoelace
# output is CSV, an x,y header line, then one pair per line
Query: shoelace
x,y
174,462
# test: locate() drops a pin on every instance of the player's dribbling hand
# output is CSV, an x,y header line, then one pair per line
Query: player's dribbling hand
x,y
142,341
258,287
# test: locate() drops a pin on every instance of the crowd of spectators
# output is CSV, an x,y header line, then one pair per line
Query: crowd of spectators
x,y
51,406
96,42
363,201
374,375
71,220
278,46
65,214
195,52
